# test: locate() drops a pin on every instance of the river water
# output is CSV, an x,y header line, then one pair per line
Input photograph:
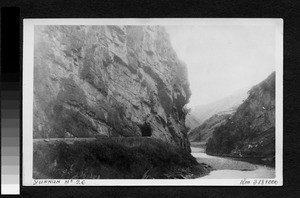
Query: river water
x,y
227,168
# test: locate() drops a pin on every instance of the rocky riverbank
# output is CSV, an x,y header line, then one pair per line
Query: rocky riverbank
x,y
231,168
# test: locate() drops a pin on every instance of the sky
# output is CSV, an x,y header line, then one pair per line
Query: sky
x,y
222,59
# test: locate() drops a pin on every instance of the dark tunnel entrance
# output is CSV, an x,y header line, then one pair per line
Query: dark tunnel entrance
x,y
146,130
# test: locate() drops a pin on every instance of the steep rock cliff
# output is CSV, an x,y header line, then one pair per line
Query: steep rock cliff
x,y
250,132
108,81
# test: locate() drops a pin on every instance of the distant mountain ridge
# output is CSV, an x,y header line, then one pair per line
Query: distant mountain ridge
x,y
191,121
203,132
227,105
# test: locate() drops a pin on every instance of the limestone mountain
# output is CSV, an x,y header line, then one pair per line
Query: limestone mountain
x,y
108,81
250,131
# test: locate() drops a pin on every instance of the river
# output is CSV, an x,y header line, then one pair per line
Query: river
x,y
227,168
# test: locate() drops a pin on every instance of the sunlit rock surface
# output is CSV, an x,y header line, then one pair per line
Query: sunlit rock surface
x,y
108,81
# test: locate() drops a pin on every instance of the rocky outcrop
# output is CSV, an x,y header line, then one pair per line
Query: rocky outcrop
x,y
108,81
250,132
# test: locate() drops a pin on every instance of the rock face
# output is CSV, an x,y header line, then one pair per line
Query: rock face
x,y
205,131
108,81
250,132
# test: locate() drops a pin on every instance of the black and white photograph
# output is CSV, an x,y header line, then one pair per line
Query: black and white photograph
x,y
153,101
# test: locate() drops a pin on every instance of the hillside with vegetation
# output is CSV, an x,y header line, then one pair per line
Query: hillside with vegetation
x,y
250,131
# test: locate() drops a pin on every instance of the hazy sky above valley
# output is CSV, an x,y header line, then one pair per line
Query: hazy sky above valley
x,y
223,59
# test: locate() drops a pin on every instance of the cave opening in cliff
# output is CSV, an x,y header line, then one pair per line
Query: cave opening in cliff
x,y
146,130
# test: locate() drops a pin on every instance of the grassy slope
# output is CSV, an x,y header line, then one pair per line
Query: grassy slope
x,y
114,159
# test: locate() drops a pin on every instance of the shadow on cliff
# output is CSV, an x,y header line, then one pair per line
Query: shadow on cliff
x,y
120,158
